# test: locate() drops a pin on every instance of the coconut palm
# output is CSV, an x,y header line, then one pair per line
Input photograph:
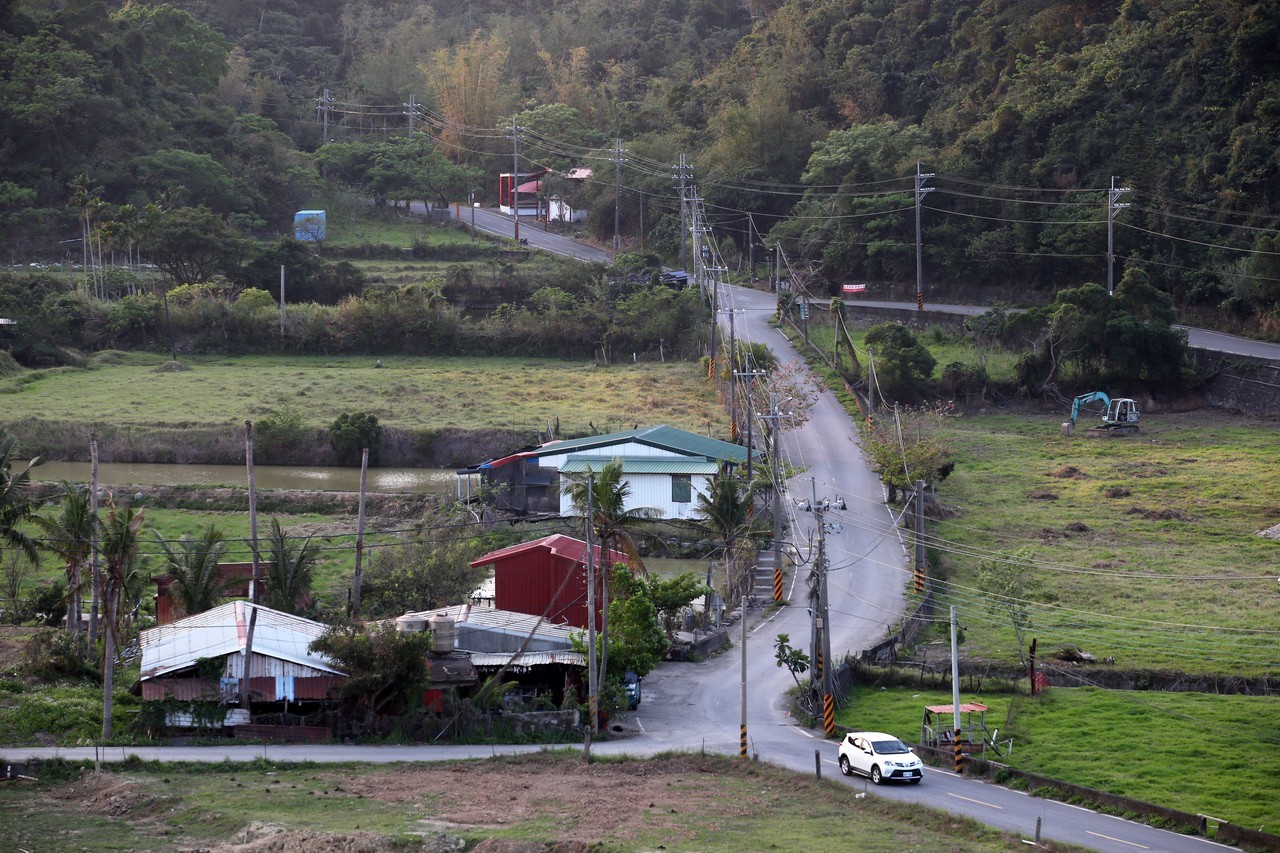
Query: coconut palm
x,y
726,511
614,525
70,536
193,563
16,505
289,569
120,552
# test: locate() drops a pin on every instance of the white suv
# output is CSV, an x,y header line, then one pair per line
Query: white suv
x,y
880,756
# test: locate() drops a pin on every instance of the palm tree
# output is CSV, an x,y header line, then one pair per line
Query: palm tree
x,y
289,569
193,563
70,536
613,524
120,543
726,511
16,505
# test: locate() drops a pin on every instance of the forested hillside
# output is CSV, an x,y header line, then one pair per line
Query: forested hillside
x,y
804,122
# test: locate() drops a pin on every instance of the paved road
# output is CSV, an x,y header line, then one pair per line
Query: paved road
x,y
1196,338
698,706
489,221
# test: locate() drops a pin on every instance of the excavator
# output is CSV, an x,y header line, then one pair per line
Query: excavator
x,y
1120,416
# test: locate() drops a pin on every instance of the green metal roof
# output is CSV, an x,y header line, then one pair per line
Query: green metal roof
x,y
642,465
665,437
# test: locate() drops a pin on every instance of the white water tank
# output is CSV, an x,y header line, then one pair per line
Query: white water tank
x,y
444,634
411,624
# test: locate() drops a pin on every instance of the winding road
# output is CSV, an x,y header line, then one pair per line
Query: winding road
x,y
698,706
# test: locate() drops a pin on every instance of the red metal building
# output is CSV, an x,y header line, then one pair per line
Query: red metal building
x,y
546,577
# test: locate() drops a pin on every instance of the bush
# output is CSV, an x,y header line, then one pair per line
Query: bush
x,y
351,433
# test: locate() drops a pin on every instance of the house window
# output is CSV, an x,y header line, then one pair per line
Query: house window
x,y
681,488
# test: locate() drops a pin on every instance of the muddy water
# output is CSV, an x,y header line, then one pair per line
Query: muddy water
x,y
323,478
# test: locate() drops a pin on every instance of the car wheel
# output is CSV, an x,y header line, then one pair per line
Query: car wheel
x,y
875,774
844,766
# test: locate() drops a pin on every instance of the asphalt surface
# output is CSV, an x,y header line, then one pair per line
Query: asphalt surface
x,y
700,705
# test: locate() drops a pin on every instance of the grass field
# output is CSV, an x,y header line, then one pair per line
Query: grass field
x,y
1144,549
680,802
1193,752
413,393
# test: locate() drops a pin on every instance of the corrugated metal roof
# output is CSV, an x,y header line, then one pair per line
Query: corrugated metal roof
x,y
488,629
556,543
521,662
663,436
223,631
579,463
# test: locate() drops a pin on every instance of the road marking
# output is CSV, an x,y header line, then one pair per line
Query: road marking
x,y
979,802
1117,840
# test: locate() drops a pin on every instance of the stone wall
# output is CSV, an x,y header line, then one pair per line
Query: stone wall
x,y
1239,383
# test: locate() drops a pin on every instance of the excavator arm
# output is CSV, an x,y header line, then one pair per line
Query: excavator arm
x,y
1100,396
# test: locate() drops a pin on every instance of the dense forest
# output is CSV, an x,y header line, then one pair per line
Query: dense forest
x,y
1043,133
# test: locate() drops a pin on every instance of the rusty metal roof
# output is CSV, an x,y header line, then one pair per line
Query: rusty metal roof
x,y
526,660
557,543
223,631
965,708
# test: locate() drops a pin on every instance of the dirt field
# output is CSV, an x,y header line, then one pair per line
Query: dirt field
x,y
569,805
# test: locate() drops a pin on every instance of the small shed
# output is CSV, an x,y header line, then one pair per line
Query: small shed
x,y
309,226
938,729
546,577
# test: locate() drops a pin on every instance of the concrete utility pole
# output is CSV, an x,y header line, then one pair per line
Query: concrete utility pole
x,y
281,299
515,175
324,105
750,376
921,189
255,590
1113,204
594,725
94,574
955,690
683,172
821,641
355,586
410,109
920,570
617,195
742,729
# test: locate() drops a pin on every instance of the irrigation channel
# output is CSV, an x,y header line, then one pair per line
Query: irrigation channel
x,y
317,478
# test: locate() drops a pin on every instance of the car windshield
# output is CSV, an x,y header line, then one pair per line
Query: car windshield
x,y
889,747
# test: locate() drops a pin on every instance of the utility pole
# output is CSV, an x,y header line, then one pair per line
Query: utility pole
x,y
591,608
324,105
617,195
921,189
515,175
750,376
821,636
255,589
682,174
742,729
1113,204
920,574
356,583
955,695
281,299
410,109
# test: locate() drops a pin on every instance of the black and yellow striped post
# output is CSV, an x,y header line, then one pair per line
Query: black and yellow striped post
x,y
742,741
919,579
959,743
919,300
828,714
777,584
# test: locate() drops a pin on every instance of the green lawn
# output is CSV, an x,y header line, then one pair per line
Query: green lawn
x,y
1199,753
1147,545
413,393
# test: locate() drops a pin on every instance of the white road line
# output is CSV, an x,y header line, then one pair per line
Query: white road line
x,y
1117,840
979,802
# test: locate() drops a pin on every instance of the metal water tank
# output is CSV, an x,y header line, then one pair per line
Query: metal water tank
x,y
444,634
411,624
